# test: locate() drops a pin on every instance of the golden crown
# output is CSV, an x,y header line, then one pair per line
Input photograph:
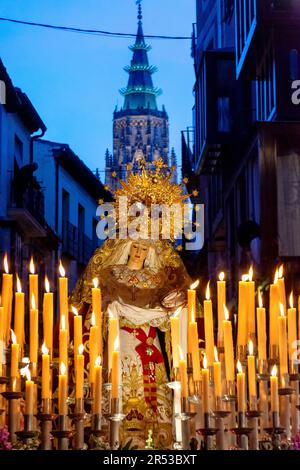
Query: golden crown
x,y
153,184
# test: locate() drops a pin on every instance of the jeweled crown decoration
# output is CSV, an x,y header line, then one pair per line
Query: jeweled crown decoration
x,y
149,186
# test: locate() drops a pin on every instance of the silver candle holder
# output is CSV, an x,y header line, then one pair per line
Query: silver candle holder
x,y
115,417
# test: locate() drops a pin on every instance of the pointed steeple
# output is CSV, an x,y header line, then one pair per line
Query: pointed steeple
x,y
140,92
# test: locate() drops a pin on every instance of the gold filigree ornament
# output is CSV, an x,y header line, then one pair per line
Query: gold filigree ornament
x,y
156,201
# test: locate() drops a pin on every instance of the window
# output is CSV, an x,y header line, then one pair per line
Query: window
x,y
81,217
294,65
223,114
18,149
65,206
266,86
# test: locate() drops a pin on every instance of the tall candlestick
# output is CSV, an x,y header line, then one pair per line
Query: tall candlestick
x,y
19,314
63,343
283,361
292,334
97,403
62,390
217,376
7,295
34,333
112,335
46,380
194,342
221,292
175,337
63,297
241,391
205,386
251,306
281,288
191,307
94,346
208,328
79,371
33,283
274,390
29,393
2,342
183,374
242,312
261,330
48,317
77,332
115,370
251,374
15,351
96,306
228,347
274,314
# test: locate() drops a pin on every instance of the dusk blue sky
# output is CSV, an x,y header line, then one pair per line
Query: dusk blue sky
x,y
73,79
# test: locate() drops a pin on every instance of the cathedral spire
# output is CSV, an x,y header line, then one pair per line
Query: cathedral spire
x,y
140,92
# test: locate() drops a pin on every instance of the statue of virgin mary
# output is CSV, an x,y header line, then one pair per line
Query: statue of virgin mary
x,y
142,283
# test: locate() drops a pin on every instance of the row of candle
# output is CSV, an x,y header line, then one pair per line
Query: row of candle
x,y
18,339
253,330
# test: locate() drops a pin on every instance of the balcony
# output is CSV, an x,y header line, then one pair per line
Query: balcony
x,y
214,101
27,207
254,21
76,245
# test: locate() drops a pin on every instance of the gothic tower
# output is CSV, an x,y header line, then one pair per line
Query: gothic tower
x,y
140,129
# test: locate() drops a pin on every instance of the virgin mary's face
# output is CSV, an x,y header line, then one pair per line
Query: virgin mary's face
x,y
138,253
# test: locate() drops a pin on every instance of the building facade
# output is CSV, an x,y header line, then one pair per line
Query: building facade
x,y
140,129
245,139
48,196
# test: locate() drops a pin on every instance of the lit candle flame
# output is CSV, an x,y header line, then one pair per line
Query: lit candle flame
x,y
96,282
194,285
47,285
80,349
226,313
62,271
31,266
19,287
93,319
177,312
280,272
180,353
276,277
245,277
45,350
98,361
250,274
75,311
221,276
204,362
63,322
291,300
33,304
216,354
116,344
62,368
13,337
25,372
207,294
239,366
281,308
260,299
274,371
5,263
250,347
